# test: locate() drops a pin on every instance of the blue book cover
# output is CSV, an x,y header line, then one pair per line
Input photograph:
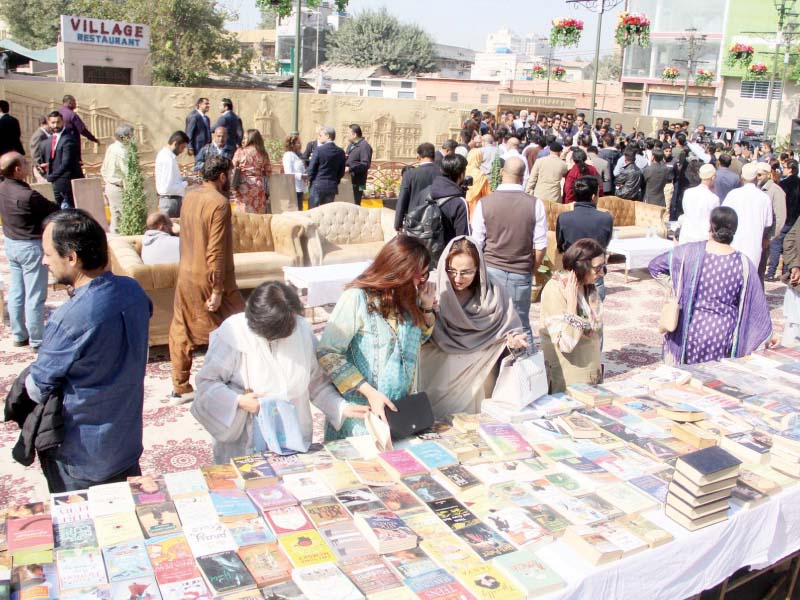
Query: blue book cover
x,y
232,504
128,560
432,455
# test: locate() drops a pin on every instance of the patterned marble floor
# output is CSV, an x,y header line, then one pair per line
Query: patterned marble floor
x,y
173,440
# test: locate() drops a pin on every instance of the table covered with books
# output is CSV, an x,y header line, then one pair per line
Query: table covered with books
x,y
660,485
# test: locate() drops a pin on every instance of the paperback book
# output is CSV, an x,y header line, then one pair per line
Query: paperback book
x,y
148,489
225,573
158,519
306,548
266,563
127,560
253,470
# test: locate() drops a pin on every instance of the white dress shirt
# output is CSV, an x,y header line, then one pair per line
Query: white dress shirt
x,y
294,165
168,175
754,209
698,202
539,239
515,153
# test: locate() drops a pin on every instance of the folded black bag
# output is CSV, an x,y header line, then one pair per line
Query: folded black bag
x,y
414,414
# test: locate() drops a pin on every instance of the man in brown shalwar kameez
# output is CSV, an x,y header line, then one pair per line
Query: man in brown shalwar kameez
x,y
206,292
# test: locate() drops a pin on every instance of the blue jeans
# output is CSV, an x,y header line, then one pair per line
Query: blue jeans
x,y
600,286
518,286
775,249
59,480
317,198
28,290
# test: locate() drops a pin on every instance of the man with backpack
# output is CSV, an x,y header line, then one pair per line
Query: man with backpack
x,y
444,214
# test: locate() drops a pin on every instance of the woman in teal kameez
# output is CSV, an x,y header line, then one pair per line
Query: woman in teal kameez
x,y
371,343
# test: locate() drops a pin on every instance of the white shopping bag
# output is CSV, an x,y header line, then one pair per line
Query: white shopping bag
x,y
522,380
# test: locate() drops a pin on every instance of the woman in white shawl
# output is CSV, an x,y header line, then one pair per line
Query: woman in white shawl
x,y
475,321
267,351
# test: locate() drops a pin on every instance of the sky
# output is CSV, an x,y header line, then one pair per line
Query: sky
x,y
467,22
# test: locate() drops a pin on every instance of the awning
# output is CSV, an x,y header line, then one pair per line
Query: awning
x,y
48,55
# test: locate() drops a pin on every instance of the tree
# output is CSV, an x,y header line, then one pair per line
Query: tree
x,y
133,220
608,67
378,38
283,8
188,38
495,175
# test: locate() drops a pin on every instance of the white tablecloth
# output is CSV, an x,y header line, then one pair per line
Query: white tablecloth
x,y
324,283
689,564
638,252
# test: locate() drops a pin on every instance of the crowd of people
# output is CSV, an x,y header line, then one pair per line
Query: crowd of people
x,y
434,311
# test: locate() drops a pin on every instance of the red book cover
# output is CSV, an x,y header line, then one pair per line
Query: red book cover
x,y
30,533
172,559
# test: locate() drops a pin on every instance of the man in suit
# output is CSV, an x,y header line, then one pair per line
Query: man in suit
x,y
216,147
727,179
39,149
10,132
656,176
233,126
326,169
64,161
311,147
603,167
546,176
415,180
358,162
198,127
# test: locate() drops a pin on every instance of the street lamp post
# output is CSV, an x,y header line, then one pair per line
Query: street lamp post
x,y
296,82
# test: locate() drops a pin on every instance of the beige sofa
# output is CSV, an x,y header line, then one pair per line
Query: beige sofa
x,y
341,232
262,246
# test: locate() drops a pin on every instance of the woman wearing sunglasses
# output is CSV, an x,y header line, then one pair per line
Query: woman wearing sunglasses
x,y
572,326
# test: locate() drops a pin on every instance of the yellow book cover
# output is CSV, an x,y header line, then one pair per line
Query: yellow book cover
x,y
306,548
488,583
371,472
115,529
338,476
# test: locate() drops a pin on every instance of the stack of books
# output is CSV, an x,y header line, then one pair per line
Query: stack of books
x,y
701,487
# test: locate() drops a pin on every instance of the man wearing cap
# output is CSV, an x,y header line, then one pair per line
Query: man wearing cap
x,y
754,209
698,202
777,198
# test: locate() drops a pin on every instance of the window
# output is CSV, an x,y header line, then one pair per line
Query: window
x,y
453,96
430,98
113,75
375,93
649,62
406,84
758,90
375,82
484,98
698,110
405,95
754,124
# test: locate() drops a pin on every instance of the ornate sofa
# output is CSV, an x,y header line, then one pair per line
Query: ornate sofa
x,y
262,246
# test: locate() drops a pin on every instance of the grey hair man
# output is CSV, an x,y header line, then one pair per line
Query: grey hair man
x,y
326,168
114,171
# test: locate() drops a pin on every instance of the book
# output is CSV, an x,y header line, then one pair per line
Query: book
x,y
593,545
250,532
225,573
505,441
505,413
401,463
645,530
785,466
127,560
626,497
578,426
101,591
708,465
232,505
74,535
750,447
115,529
398,498
69,507
271,496
695,524
346,540
492,473
338,476
196,509
220,477
306,548
758,482
698,512
663,376
283,465
80,567
343,450
158,519
148,489
529,573
590,395
305,486
464,422
438,585
286,590
462,447
266,563
681,412
432,454
371,575
144,587
29,534
457,480
696,501
371,472
747,497
186,589
410,563
385,531
288,519
185,483
484,542
209,538
702,490
323,582
516,526
426,488
486,582
110,498
325,511
171,558
35,581
359,500
694,435
253,470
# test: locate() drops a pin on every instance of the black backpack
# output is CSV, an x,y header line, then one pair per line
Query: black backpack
x,y
425,224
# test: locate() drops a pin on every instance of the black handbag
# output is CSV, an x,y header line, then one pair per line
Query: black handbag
x,y
414,415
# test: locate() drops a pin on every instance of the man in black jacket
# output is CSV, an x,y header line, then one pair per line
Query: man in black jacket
x,y
326,169
791,186
656,176
358,162
9,131
455,217
198,127
628,183
415,181
64,161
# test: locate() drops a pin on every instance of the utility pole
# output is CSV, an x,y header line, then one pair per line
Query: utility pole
x,y
296,82
695,44
550,60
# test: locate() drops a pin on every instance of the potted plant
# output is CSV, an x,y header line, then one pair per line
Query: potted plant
x,y
632,29
670,74
540,278
559,73
565,32
539,72
757,71
739,55
703,77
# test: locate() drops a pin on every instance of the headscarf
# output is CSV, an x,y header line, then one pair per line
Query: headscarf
x,y
480,183
485,320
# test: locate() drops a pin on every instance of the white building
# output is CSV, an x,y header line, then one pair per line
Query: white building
x,y
374,82
315,25
493,66
505,41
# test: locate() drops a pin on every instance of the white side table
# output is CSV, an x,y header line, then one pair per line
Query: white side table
x,y
324,283
638,252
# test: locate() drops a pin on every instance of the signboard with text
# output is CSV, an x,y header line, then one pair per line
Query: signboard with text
x,y
541,102
104,32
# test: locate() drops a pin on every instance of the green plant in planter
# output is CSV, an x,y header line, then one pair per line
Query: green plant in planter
x,y
133,220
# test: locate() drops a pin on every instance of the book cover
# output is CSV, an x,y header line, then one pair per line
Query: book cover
x,y
346,540
652,486
325,511
453,514
110,498
599,505
752,446
29,534
288,519
401,463
286,590
271,496
529,573
338,476
144,588
69,507
220,477
505,440
225,573
448,549
385,527
516,526
486,582
209,538
232,505
127,560
465,422
746,496
398,498
438,585
410,563
306,548
342,450
592,544
185,483
457,478
370,575
359,500
484,542
115,529
574,511
371,472
578,426
493,473
149,489
254,469
588,468
80,567
283,465
74,535
325,581
249,532
196,509
188,589
158,519
266,563
432,455
574,485
590,395
171,558
645,530
100,591
626,497
305,486
426,488
35,581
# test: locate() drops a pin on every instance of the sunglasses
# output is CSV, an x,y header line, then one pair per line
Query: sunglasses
x,y
453,273
423,277
599,268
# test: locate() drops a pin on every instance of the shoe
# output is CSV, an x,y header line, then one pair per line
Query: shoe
x,y
35,348
20,343
176,399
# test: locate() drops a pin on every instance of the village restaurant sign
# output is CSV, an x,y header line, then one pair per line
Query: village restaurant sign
x,y
103,32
